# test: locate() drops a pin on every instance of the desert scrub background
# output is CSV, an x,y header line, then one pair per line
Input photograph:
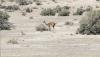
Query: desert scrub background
x,y
62,11
4,24
90,24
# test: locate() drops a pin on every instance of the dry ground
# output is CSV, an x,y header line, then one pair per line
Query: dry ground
x,y
60,42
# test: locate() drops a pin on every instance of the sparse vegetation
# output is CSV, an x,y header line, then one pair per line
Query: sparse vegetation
x,y
91,23
57,9
69,23
48,12
13,41
4,24
24,2
31,17
41,28
38,3
29,10
79,11
23,13
89,8
54,1
64,12
97,0
12,8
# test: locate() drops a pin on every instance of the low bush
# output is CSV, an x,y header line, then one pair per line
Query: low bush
x,y
47,12
29,10
64,12
69,23
90,24
12,8
13,41
41,28
24,2
79,11
57,9
97,0
24,13
4,24
38,3
89,8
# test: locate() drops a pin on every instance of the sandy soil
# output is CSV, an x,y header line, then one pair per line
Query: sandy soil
x,y
60,42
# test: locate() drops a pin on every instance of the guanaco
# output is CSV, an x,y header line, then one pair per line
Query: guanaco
x,y
50,24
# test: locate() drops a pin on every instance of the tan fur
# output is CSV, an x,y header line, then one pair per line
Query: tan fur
x,y
50,24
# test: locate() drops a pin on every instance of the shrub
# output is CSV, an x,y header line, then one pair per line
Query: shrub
x,y
4,24
12,8
66,7
24,2
38,3
69,23
64,12
41,28
79,11
31,17
2,7
29,10
89,8
13,41
11,0
23,13
36,0
54,1
97,0
91,24
47,12
57,9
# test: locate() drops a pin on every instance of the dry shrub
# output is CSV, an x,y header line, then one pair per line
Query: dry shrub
x,y
29,10
41,28
79,11
13,41
47,12
11,8
69,23
90,24
4,24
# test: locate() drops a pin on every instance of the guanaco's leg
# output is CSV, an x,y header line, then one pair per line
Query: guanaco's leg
x,y
53,26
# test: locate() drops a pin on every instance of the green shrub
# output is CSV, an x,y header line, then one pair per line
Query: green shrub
x,y
47,12
57,9
12,8
79,11
66,7
29,10
4,24
54,1
64,12
97,0
24,2
89,8
36,0
91,23
69,23
13,41
41,28
38,3
24,13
